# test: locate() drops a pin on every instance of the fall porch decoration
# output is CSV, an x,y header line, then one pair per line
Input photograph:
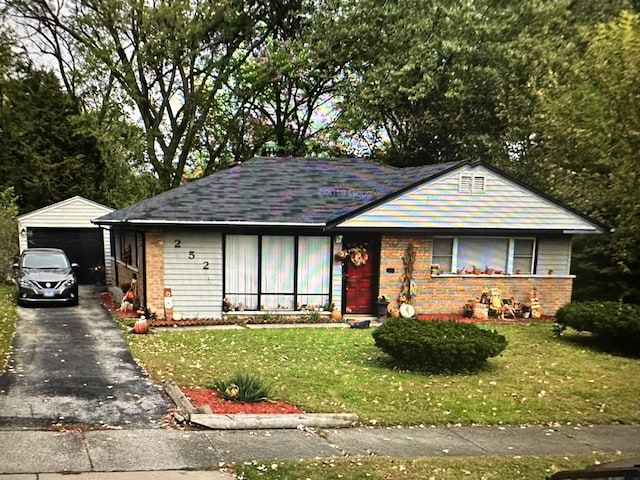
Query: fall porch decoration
x,y
358,255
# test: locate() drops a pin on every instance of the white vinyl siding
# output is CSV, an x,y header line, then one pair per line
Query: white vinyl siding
x,y
441,204
74,212
554,256
193,271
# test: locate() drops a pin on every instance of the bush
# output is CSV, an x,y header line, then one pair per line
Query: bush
x,y
613,322
438,346
9,247
243,387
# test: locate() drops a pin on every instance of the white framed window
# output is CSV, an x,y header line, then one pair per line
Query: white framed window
x,y
484,254
468,183
277,272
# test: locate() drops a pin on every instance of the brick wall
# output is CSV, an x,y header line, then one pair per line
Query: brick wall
x,y
392,270
154,268
448,293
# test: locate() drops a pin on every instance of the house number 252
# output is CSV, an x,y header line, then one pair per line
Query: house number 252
x,y
192,255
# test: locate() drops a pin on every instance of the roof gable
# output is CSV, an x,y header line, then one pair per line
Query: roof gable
x,y
88,208
472,197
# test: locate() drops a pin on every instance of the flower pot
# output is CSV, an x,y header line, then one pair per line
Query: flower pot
x,y
381,308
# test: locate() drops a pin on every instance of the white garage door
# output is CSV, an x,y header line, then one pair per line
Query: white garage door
x,y
193,271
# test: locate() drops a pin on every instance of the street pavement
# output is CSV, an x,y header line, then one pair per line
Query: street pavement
x,y
72,401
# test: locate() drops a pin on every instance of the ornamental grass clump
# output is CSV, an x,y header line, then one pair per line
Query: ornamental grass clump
x,y
243,387
438,346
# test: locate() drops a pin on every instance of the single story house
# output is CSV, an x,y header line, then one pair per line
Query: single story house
x,y
67,225
279,234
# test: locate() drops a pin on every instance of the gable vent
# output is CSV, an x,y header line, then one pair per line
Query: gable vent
x,y
471,184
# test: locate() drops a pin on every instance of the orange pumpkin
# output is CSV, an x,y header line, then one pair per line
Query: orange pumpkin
x,y
141,326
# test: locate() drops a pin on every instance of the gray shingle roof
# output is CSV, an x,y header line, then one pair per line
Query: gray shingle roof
x,y
277,190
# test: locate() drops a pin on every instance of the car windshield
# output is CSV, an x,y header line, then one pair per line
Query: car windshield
x,y
45,260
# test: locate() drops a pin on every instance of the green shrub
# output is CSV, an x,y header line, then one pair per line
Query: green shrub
x,y
614,322
438,346
8,233
243,387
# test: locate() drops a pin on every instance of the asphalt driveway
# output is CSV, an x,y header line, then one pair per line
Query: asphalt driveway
x,y
71,365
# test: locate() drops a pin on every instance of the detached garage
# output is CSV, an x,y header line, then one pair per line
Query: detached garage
x,y
67,225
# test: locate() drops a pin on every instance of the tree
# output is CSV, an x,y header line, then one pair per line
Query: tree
x,y
446,80
42,156
589,142
169,59
442,80
291,84
126,178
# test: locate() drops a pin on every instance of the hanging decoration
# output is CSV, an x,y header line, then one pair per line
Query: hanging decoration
x,y
358,255
409,287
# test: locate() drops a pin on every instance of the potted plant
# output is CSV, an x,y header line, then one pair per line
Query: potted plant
x,y
381,304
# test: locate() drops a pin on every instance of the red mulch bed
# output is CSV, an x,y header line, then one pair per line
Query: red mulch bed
x,y
204,396
113,306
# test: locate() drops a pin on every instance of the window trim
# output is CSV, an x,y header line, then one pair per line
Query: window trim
x,y
510,253
296,260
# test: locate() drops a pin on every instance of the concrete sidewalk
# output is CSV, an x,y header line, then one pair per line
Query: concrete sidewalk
x,y
168,454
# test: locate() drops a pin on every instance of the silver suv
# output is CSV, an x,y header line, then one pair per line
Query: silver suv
x,y
45,276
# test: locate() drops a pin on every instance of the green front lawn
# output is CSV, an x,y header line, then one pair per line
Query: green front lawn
x,y
382,468
7,320
539,379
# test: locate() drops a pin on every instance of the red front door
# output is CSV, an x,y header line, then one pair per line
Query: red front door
x,y
360,283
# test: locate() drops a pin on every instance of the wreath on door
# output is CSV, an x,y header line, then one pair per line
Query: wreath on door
x,y
357,255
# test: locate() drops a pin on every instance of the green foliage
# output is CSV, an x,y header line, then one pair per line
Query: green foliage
x,y
438,346
8,318
588,142
615,323
243,387
8,232
450,80
42,155
172,64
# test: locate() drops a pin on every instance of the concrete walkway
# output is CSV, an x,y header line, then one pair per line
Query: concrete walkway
x,y
174,451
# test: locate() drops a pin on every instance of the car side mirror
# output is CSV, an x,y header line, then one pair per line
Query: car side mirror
x,y
74,265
